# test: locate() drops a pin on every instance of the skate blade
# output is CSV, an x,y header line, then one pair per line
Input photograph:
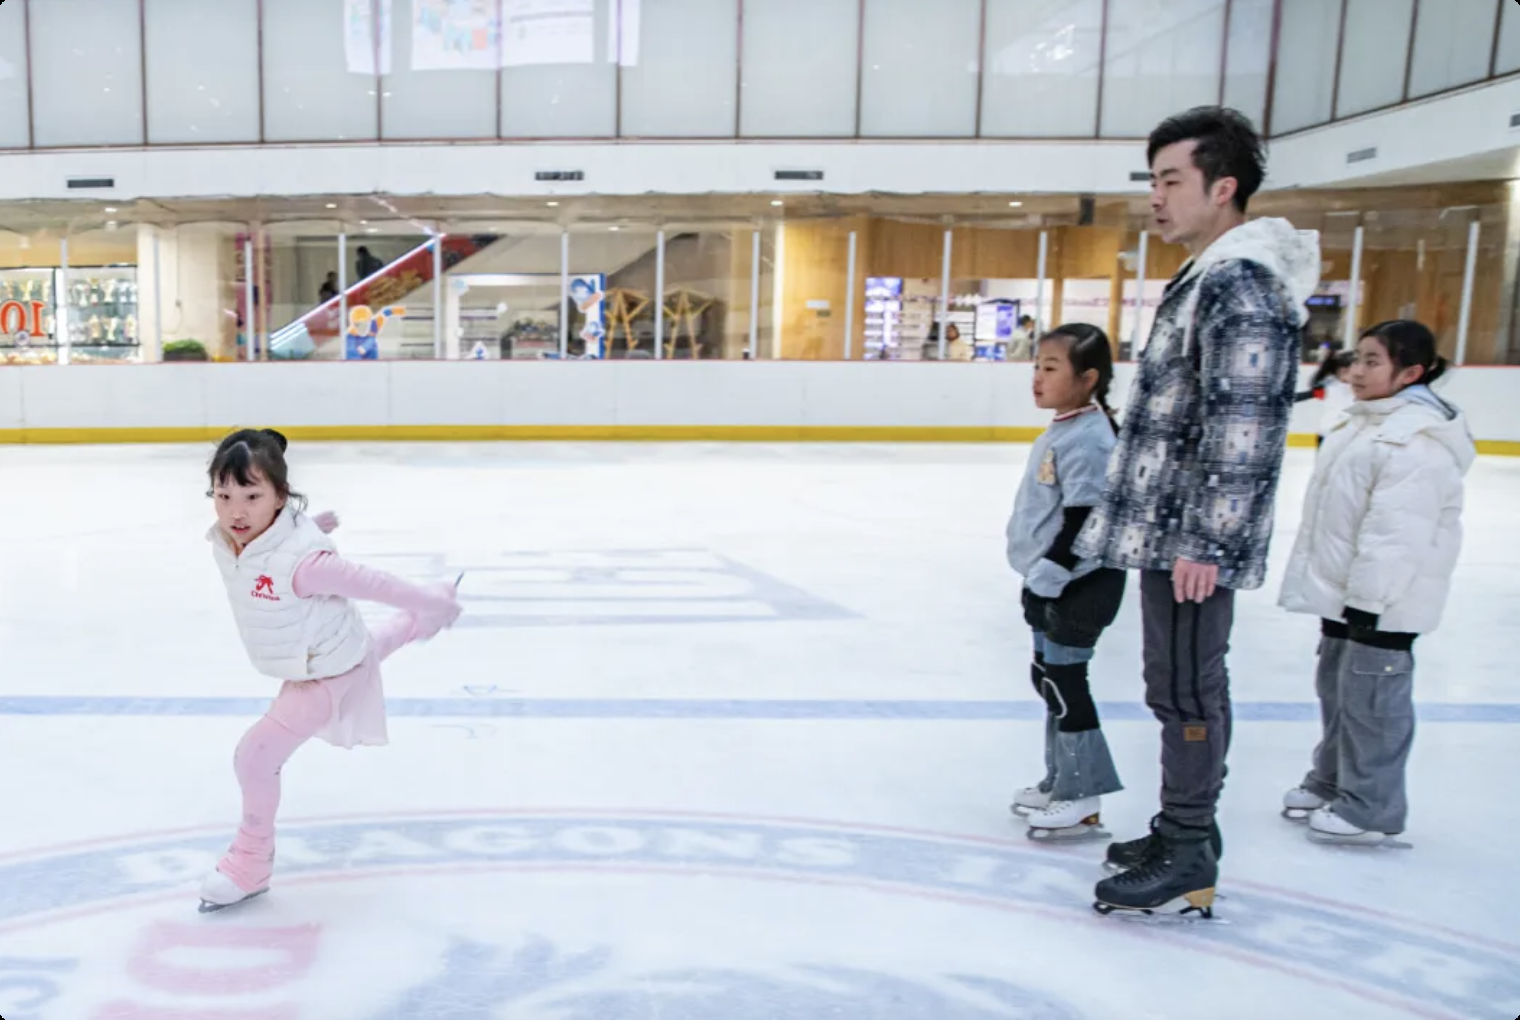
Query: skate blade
x,y
1074,834
1022,811
1193,906
1296,814
1382,842
214,908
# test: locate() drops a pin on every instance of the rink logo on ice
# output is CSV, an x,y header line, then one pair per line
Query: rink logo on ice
x,y
263,588
639,586
621,917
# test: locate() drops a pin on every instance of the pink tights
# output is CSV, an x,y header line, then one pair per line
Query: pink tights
x,y
301,711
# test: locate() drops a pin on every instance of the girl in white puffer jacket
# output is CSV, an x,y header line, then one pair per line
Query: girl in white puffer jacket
x,y
292,597
1376,549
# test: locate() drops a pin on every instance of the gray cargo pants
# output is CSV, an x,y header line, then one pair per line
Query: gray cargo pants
x,y
1366,702
1188,688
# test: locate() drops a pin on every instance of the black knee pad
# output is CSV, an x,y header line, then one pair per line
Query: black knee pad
x,y
1037,674
1085,609
1070,699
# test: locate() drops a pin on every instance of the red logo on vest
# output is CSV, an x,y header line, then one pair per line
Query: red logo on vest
x,y
263,588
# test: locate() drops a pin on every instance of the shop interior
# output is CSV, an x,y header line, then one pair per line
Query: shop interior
x,y
698,277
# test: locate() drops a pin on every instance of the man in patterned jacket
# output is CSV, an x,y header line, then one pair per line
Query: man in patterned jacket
x,y
1192,481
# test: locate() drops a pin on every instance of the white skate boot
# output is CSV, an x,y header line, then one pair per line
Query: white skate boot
x,y
1068,821
1299,804
1030,798
218,892
1325,826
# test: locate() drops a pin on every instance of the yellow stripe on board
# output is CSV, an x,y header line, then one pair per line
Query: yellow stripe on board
x,y
599,433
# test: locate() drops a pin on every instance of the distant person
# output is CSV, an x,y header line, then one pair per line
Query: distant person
x,y
1382,527
1193,479
367,264
329,289
1331,384
1068,601
1021,344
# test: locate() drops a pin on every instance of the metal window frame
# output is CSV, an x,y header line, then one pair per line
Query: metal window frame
x,y
618,134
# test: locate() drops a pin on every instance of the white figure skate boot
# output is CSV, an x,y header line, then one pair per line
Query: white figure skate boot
x,y
1029,799
218,892
1068,821
1299,804
1325,826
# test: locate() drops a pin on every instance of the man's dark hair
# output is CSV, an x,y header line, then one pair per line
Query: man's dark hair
x,y
1228,146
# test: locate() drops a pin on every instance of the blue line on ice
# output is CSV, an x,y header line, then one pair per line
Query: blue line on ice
x,y
698,708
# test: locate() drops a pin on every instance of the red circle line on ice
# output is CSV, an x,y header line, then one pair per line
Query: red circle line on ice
x,y
1396,962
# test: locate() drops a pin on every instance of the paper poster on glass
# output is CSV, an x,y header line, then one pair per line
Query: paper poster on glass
x,y
454,35
359,35
883,317
548,32
996,322
587,293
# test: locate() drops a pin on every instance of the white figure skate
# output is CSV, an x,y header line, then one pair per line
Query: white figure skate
x,y
1329,828
1068,821
218,892
1299,804
1028,800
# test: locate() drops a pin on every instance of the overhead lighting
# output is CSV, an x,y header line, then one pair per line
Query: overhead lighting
x,y
373,230
364,223
1015,205
110,209
777,201
332,205
553,205
614,229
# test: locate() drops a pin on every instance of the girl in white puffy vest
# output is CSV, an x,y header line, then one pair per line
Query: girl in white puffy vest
x,y
1376,549
290,594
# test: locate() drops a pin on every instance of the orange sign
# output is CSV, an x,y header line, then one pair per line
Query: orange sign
x,y
13,317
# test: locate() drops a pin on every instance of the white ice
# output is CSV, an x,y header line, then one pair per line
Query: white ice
x,y
731,734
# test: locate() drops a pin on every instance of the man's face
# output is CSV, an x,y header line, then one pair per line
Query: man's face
x,y
1184,207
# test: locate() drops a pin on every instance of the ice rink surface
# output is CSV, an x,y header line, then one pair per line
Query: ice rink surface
x,y
727,733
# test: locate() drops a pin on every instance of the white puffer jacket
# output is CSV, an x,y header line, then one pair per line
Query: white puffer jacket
x,y
288,638
1382,524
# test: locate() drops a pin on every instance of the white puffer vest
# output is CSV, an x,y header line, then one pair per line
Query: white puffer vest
x,y
1382,523
288,638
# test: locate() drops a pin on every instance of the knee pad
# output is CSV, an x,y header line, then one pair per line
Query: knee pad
x,y
1037,674
1070,699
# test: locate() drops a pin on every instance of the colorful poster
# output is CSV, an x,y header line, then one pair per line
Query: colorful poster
x,y
359,35
587,293
454,35
548,32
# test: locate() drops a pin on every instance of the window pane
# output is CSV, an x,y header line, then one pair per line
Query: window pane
x,y
1305,64
1509,40
1162,57
1452,43
799,67
200,93
441,80
13,127
1372,55
88,72
1250,50
319,69
680,65
559,73
1042,68
920,74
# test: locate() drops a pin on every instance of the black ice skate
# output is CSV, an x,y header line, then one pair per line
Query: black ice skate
x,y
1177,875
1129,854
